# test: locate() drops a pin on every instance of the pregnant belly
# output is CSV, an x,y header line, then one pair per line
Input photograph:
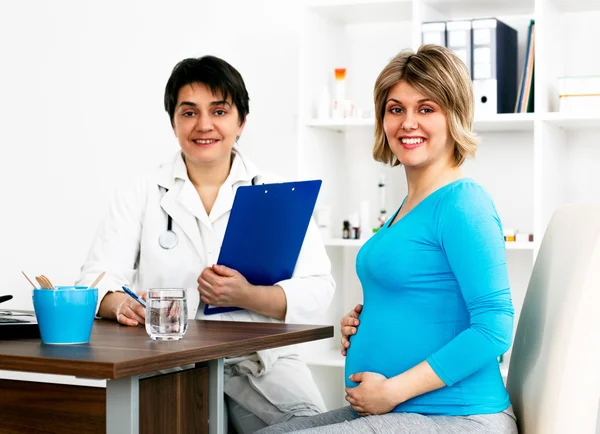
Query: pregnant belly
x,y
390,348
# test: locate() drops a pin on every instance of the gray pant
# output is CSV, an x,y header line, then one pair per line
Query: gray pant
x,y
345,421
244,421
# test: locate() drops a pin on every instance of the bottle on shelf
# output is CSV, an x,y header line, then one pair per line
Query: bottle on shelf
x,y
354,227
341,106
323,219
346,230
509,235
382,208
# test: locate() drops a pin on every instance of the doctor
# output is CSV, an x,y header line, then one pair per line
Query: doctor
x,y
166,229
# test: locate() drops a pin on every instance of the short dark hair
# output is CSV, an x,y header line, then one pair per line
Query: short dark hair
x,y
217,74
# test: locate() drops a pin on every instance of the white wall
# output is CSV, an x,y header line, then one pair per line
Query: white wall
x,y
81,88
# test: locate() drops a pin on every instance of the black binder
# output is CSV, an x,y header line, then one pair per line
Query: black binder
x,y
495,78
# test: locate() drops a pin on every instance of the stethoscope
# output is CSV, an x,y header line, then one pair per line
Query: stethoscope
x,y
169,239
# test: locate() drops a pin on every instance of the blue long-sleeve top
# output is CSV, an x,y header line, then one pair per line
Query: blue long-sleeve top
x,y
436,288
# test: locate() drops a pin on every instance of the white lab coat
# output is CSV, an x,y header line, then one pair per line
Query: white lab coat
x,y
126,245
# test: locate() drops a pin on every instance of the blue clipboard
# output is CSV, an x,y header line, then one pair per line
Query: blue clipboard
x,y
265,232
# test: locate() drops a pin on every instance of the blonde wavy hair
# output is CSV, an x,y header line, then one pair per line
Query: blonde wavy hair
x,y
439,74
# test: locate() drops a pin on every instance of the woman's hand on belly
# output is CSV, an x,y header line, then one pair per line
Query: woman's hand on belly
x,y
348,324
372,395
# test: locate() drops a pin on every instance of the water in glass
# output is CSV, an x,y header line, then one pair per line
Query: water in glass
x,y
166,314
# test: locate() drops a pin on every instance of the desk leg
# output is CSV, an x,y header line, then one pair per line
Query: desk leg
x,y
123,406
216,397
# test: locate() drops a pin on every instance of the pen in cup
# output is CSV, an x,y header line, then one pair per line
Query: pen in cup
x,y
134,296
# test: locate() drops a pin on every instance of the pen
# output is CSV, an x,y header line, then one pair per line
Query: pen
x,y
134,296
5,298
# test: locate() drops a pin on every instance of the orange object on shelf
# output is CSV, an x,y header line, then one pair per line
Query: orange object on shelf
x,y
510,235
340,73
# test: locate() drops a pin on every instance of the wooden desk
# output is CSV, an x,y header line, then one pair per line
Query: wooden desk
x,y
124,354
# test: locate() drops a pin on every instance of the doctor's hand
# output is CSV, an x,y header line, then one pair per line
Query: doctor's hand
x,y
121,307
348,324
223,286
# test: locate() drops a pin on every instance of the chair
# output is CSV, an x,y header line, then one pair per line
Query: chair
x,y
554,374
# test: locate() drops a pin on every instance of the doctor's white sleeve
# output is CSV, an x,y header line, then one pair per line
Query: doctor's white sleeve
x,y
116,245
310,289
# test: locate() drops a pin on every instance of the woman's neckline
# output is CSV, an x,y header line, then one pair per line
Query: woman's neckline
x,y
425,199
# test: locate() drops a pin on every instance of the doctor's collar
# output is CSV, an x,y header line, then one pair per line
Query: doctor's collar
x,y
241,171
179,168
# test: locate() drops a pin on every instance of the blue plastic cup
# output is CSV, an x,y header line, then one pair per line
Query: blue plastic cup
x,y
65,315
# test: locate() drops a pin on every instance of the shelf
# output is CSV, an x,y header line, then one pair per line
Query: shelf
x,y
505,122
331,358
340,242
519,246
577,5
500,123
453,9
572,121
364,11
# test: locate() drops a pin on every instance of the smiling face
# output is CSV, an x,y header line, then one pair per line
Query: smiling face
x,y
206,125
416,128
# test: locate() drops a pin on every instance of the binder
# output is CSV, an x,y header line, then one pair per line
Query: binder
x,y
434,33
265,232
459,40
494,66
525,94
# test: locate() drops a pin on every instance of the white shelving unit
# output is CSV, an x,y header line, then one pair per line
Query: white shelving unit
x,y
572,121
530,163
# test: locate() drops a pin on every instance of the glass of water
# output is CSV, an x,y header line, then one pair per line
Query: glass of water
x,y
166,314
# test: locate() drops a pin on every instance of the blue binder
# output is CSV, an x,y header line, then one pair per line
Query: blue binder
x,y
265,232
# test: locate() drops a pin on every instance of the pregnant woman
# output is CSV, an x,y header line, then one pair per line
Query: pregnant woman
x,y
437,305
